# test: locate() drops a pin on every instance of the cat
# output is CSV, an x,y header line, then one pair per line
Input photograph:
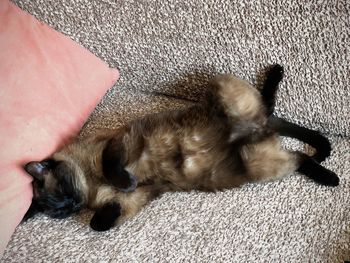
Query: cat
x,y
228,139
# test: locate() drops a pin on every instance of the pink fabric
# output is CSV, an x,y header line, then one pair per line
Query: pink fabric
x,y
48,87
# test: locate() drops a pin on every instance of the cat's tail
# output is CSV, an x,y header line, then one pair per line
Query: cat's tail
x,y
311,137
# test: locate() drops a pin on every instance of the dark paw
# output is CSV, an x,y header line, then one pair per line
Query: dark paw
x,y
276,72
105,217
328,178
125,182
99,226
317,172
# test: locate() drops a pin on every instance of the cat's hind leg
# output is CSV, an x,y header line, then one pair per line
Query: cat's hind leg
x,y
312,169
266,161
241,100
311,137
238,99
274,76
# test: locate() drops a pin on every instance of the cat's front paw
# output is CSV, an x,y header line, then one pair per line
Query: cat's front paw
x,y
105,217
124,182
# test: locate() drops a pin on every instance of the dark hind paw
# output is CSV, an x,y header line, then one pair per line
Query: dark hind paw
x,y
327,177
274,76
276,72
317,172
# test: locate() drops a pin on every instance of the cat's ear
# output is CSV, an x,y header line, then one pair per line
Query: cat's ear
x,y
36,169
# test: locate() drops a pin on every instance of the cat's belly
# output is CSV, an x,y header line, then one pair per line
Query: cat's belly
x,y
191,153
175,167
191,161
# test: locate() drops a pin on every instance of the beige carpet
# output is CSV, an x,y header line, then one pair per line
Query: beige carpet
x,y
175,46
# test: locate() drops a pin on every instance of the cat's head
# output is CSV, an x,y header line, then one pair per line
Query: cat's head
x,y
59,189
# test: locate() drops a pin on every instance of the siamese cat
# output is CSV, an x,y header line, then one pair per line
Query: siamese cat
x,y
228,139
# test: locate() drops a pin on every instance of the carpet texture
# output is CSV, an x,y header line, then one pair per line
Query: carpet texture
x,y
176,47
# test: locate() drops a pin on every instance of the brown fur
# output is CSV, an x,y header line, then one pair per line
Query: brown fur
x,y
194,148
221,143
